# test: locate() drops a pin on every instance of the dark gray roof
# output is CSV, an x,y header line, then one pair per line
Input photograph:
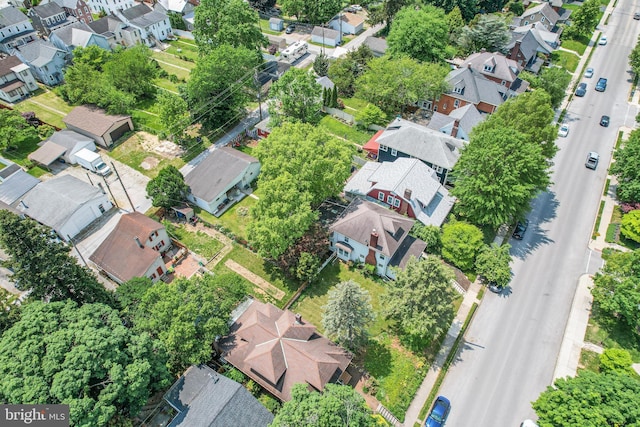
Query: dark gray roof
x,y
376,44
411,247
48,9
8,169
143,16
204,398
216,172
11,16
105,24
136,11
546,10
328,33
325,82
16,186
475,88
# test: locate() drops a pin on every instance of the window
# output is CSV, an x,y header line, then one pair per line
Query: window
x,y
153,276
342,252
381,257
381,265
458,89
390,200
394,152
543,19
380,196
346,239
438,169
444,106
435,108
456,103
503,83
396,203
383,147
101,208
526,22
488,68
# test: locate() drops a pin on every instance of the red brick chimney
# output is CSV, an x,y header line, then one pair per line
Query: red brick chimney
x,y
454,131
513,53
373,244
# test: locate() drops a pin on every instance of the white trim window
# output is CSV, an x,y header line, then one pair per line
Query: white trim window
x,y
394,152
456,103
396,203
381,196
383,147
390,200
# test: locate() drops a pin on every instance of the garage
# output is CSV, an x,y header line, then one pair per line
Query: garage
x,y
119,131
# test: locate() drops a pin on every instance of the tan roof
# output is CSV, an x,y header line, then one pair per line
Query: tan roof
x,y
352,19
92,119
277,351
48,153
6,64
120,255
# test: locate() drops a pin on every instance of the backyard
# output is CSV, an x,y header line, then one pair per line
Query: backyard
x,y
47,105
235,219
19,156
142,152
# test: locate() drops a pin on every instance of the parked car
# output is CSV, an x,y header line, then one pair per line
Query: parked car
x,y
592,160
493,287
439,412
601,86
604,121
636,16
589,73
521,228
602,41
581,90
290,29
356,7
563,131
528,423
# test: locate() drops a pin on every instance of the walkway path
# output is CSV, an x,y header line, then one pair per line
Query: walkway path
x,y
62,113
228,244
172,65
264,286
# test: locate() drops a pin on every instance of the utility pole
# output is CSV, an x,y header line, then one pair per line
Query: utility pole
x,y
123,187
77,250
115,202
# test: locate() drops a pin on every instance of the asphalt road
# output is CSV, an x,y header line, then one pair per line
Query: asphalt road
x,y
512,345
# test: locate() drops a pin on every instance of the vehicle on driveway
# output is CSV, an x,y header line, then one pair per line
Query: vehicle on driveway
x,y
563,131
589,73
601,86
592,160
602,41
604,121
521,228
581,90
290,29
439,413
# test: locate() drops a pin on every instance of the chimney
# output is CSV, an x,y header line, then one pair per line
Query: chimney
x,y
513,53
454,131
407,193
373,242
469,65
483,50
298,319
138,242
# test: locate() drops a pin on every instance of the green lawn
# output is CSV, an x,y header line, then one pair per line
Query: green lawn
x,y
567,60
354,103
235,219
264,27
48,106
342,130
576,45
199,242
130,152
19,156
184,47
611,333
589,360
174,65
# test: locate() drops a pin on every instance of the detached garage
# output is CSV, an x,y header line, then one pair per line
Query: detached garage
x,y
95,123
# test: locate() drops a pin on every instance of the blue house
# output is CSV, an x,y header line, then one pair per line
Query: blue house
x,y
45,60
76,35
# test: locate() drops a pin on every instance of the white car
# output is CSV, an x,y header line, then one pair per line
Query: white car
x,y
356,7
589,73
603,41
563,131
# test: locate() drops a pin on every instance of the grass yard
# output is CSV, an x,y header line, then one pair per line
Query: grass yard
x,y
567,60
610,333
235,219
589,360
19,156
354,104
264,27
47,105
132,153
174,65
576,45
184,47
342,130
199,242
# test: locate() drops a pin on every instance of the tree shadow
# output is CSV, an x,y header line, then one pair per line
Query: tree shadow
x,y
376,358
545,209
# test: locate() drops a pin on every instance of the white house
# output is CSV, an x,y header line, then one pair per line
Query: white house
x,y
16,79
326,36
153,24
347,23
62,144
109,6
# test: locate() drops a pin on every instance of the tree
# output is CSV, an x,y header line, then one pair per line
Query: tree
x,y
347,315
516,7
385,11
455,21
616,288
168,189
262,4
93,56
430,234
590,400
371,115
14,129
585,19
187,315
227,22
337,405
490,32
307,268
334,97
421,34
321,65
314,242
461,242
630,227
344,71
132,71
173,113
467,9
130,294
81,356
392,84
492,263
314,12
634,58
625,168
42,264
553,80
617,360
216,91
9,310
420,300
296,96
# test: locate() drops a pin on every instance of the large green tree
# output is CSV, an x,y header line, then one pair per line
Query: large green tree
x,y
296,96
461,243
173,112
384,12
421,34
14,129
42,264
132,71
616,288
492,263
217,90
314,12
9,310
466,8
585,19
590,400
626,169
420,300
187,315
394,83
490,32
336,406
345,70
81,356
634,58
168,189
347,314
553,80
227,22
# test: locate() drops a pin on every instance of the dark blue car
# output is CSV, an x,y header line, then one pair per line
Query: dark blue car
x,y
439,413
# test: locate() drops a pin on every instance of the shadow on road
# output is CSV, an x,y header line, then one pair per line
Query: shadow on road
x,y
545,208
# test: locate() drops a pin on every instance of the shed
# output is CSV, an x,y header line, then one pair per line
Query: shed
x,y
276,24
325,36
103,128
62,145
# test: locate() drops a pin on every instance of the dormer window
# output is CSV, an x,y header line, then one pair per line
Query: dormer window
x,y
488,68
459,89
543,19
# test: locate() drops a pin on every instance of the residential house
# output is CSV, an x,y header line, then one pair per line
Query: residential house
x,y
109,6
497,67
105,129
407,186
540,33
153,25
371,234
46,61
220,178
76,8
325,82
278,349
66,204
183,7
16,80
15,29
468,86
134,248
377,45
347,23
77,35
14,182
457,123
116,32
326,36
528,50
63,145
542,13
263,128
48,17
403,138
202,397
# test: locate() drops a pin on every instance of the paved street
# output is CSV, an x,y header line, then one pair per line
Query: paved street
x,y
512,346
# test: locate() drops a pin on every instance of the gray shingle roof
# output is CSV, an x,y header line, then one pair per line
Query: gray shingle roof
x,y
92,119
376,44
325,82
74,35
48,9
16,186
545,9
468,117
423,143
503,68
105,24
68,138
11,16
475,87
328,33
143,16
205,398
39,52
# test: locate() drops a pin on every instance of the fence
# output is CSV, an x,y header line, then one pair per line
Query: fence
x,y
340,114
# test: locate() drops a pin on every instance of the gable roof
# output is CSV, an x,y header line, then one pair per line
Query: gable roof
x,y
10,16
376,44
143,16
216,172
503,68
467,116
423,143
120,255
54,201
7,63
74,35
360,218
352,18
278,351
48,9
69,4
16,185
328,33
39,53
92,119
325,82
68,138
475,87
546,10
106,24
174,5
48,153
541,34
205,398
530,44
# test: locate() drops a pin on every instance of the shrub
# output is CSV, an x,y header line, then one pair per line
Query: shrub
x,y
234,374
630,227
461,241
616,359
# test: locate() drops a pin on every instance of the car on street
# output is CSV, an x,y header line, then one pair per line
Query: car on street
x,y
604,121
602,41
290,29
521,228
581,90
589,73
494,287
601,86
439,412
636,16
592,160
563,131
528,423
